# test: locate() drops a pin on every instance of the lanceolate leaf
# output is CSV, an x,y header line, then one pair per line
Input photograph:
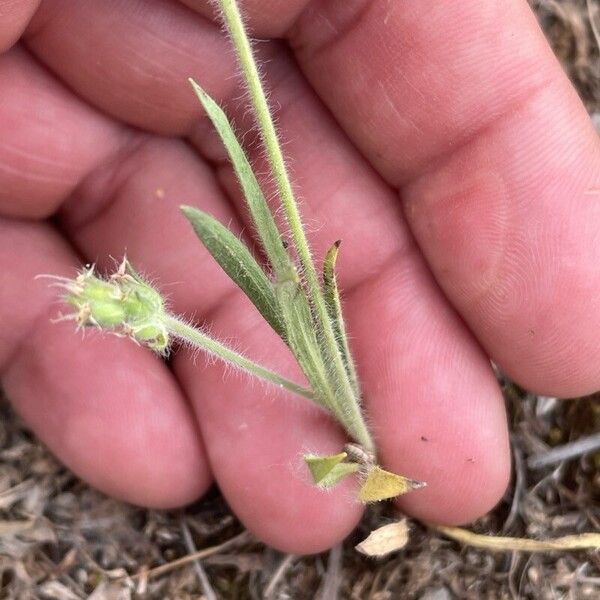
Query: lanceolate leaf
x,y
261,216
235,259
334,309
302,338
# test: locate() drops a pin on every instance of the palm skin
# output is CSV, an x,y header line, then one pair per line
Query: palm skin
x,y
440,140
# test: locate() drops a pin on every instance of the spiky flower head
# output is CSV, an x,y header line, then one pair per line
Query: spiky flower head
x,y
122,303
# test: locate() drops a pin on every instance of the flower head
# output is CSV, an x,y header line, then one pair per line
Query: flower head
x,y
122,303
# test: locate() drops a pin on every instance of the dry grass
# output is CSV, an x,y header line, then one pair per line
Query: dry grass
x,y
61,540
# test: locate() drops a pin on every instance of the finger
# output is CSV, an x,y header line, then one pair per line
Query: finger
x,y
50,140
256,437
109,410
145,83
497,166
266,19
14,18
142,78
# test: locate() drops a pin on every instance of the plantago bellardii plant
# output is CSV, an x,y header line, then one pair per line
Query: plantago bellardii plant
x,y
302,304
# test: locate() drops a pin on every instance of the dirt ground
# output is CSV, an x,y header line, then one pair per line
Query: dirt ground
x,y
59,539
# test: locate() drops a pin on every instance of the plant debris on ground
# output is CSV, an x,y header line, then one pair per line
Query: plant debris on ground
x,y
60,539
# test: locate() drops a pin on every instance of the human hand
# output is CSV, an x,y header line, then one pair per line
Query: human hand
x,y
441,141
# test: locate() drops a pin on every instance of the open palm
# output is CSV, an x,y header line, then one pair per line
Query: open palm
x,y
439,140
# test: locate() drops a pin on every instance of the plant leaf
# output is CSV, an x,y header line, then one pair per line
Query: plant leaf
x,y
334,309
345,400
264,223
382,485
320,466
312,356
235,259
337,474
327,471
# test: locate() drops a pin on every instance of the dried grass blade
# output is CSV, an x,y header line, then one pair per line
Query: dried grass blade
x,y
582,541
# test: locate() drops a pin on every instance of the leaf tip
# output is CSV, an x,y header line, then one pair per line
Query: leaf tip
x,y
202,95
188,211
195,85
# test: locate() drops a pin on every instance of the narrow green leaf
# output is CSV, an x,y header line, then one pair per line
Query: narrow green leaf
x,y
264,223
235,259
334,309
198,339
346,400
302,339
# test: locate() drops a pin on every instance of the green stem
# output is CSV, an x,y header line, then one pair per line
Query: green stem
x,y
353,420
196,338
235,26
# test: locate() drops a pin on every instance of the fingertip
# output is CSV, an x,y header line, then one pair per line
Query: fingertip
x,y
111,412
304,521
460,451
262,473
464,486
436,409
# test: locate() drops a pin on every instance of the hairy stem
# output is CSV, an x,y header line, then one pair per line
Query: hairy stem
x,y
196,338
346,397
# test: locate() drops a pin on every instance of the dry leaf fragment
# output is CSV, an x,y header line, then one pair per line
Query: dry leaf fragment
x,y
385,540
382,485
